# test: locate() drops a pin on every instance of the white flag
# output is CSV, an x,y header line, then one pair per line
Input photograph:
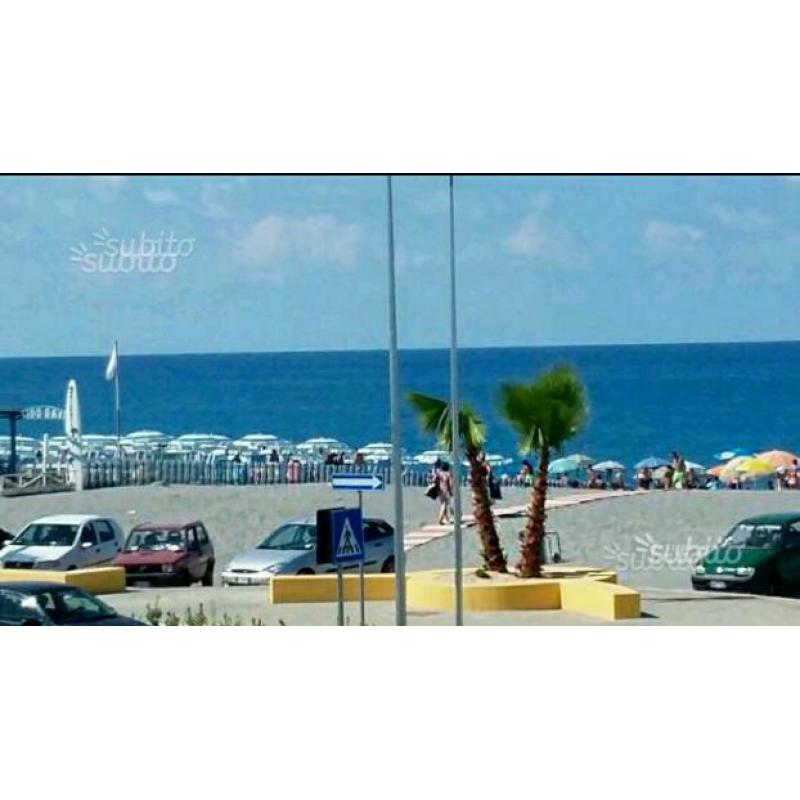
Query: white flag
x,y
111,369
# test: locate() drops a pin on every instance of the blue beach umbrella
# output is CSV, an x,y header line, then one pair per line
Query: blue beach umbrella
x,y
735,452
561,466
651,462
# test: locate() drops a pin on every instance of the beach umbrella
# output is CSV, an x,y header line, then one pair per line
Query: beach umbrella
x,y
717,470
730,470
695,467
778,458
735,452
561,466
602,466
755,466
651,462
580,460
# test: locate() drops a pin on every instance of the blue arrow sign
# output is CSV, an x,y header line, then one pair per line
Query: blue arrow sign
x,y
348,535
346,482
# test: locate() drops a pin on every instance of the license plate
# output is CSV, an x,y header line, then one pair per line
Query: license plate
x,y
718,585
239,581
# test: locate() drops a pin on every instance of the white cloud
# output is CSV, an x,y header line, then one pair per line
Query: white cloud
x,y
215,199
529,239
161,197
543,242
663,235
276,239
741,219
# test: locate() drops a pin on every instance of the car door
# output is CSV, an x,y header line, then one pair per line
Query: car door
x,y
206,548
194,557
88,551
789,557
108,539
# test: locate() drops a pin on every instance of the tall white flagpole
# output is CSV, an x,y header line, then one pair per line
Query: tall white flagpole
x,y
394,392
454,417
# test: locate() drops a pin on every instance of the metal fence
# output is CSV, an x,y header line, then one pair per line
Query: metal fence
x,y
131,472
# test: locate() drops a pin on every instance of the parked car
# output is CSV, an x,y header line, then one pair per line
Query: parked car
x,y
291,550
44,603
175,552
5,536
759,555
64,542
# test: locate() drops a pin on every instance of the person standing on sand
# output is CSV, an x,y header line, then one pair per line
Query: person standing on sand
x,y
444,482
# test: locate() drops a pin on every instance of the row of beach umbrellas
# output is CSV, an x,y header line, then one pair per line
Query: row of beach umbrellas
x,y
736,462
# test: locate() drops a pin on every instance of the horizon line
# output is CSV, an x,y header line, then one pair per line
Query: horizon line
x,y
462,348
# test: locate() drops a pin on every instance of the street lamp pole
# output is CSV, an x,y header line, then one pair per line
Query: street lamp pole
x,y
394,392
454,417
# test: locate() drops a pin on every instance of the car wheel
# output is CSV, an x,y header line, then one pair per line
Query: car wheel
x,y
69,569
208,578
305,571
771,587
185,578
388,565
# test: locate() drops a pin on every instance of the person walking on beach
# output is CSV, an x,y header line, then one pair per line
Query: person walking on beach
x,y
444,483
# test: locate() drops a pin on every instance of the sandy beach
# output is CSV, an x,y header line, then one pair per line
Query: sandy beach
x,y
649,538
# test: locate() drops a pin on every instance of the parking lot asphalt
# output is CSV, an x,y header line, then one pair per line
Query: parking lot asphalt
x,y
659,607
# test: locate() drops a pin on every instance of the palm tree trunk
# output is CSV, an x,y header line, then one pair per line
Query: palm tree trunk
x,y
530,565
493,555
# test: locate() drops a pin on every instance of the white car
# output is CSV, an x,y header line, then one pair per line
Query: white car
x,y
64,542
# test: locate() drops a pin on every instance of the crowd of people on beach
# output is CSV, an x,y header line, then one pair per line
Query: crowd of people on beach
x,y
675,475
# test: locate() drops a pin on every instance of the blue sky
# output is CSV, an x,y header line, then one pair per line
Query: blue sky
x,y
300,263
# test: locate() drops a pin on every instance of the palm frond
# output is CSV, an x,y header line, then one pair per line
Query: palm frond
x,y
434,416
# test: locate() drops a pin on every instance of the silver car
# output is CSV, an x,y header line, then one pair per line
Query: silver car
x,y
291,550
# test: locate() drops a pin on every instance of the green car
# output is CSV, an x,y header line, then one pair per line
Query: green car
x,y
759,555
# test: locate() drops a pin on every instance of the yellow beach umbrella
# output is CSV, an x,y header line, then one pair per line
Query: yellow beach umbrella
x,y
731,469
778,458
755,467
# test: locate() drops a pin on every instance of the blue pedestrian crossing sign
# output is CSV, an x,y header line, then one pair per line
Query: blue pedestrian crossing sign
x,y
348,535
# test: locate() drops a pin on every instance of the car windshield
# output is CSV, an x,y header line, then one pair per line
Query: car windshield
x,y
763,537
156,540
72,605
45,535
291,537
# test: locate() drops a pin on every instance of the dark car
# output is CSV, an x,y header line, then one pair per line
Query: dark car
x,y
5,536
760,555
177,553
43,603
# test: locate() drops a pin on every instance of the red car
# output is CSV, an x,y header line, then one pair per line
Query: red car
x,y
177,553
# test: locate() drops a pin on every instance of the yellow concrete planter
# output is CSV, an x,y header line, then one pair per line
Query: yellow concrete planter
x,y
322,588
99,580
583,590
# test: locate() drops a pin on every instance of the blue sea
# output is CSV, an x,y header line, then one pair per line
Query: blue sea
x,y
645,400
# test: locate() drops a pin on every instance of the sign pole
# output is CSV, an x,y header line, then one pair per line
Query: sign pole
x,y
340,595
361,566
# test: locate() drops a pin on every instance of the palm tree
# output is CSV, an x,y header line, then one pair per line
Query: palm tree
x,y
546,413
434,416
